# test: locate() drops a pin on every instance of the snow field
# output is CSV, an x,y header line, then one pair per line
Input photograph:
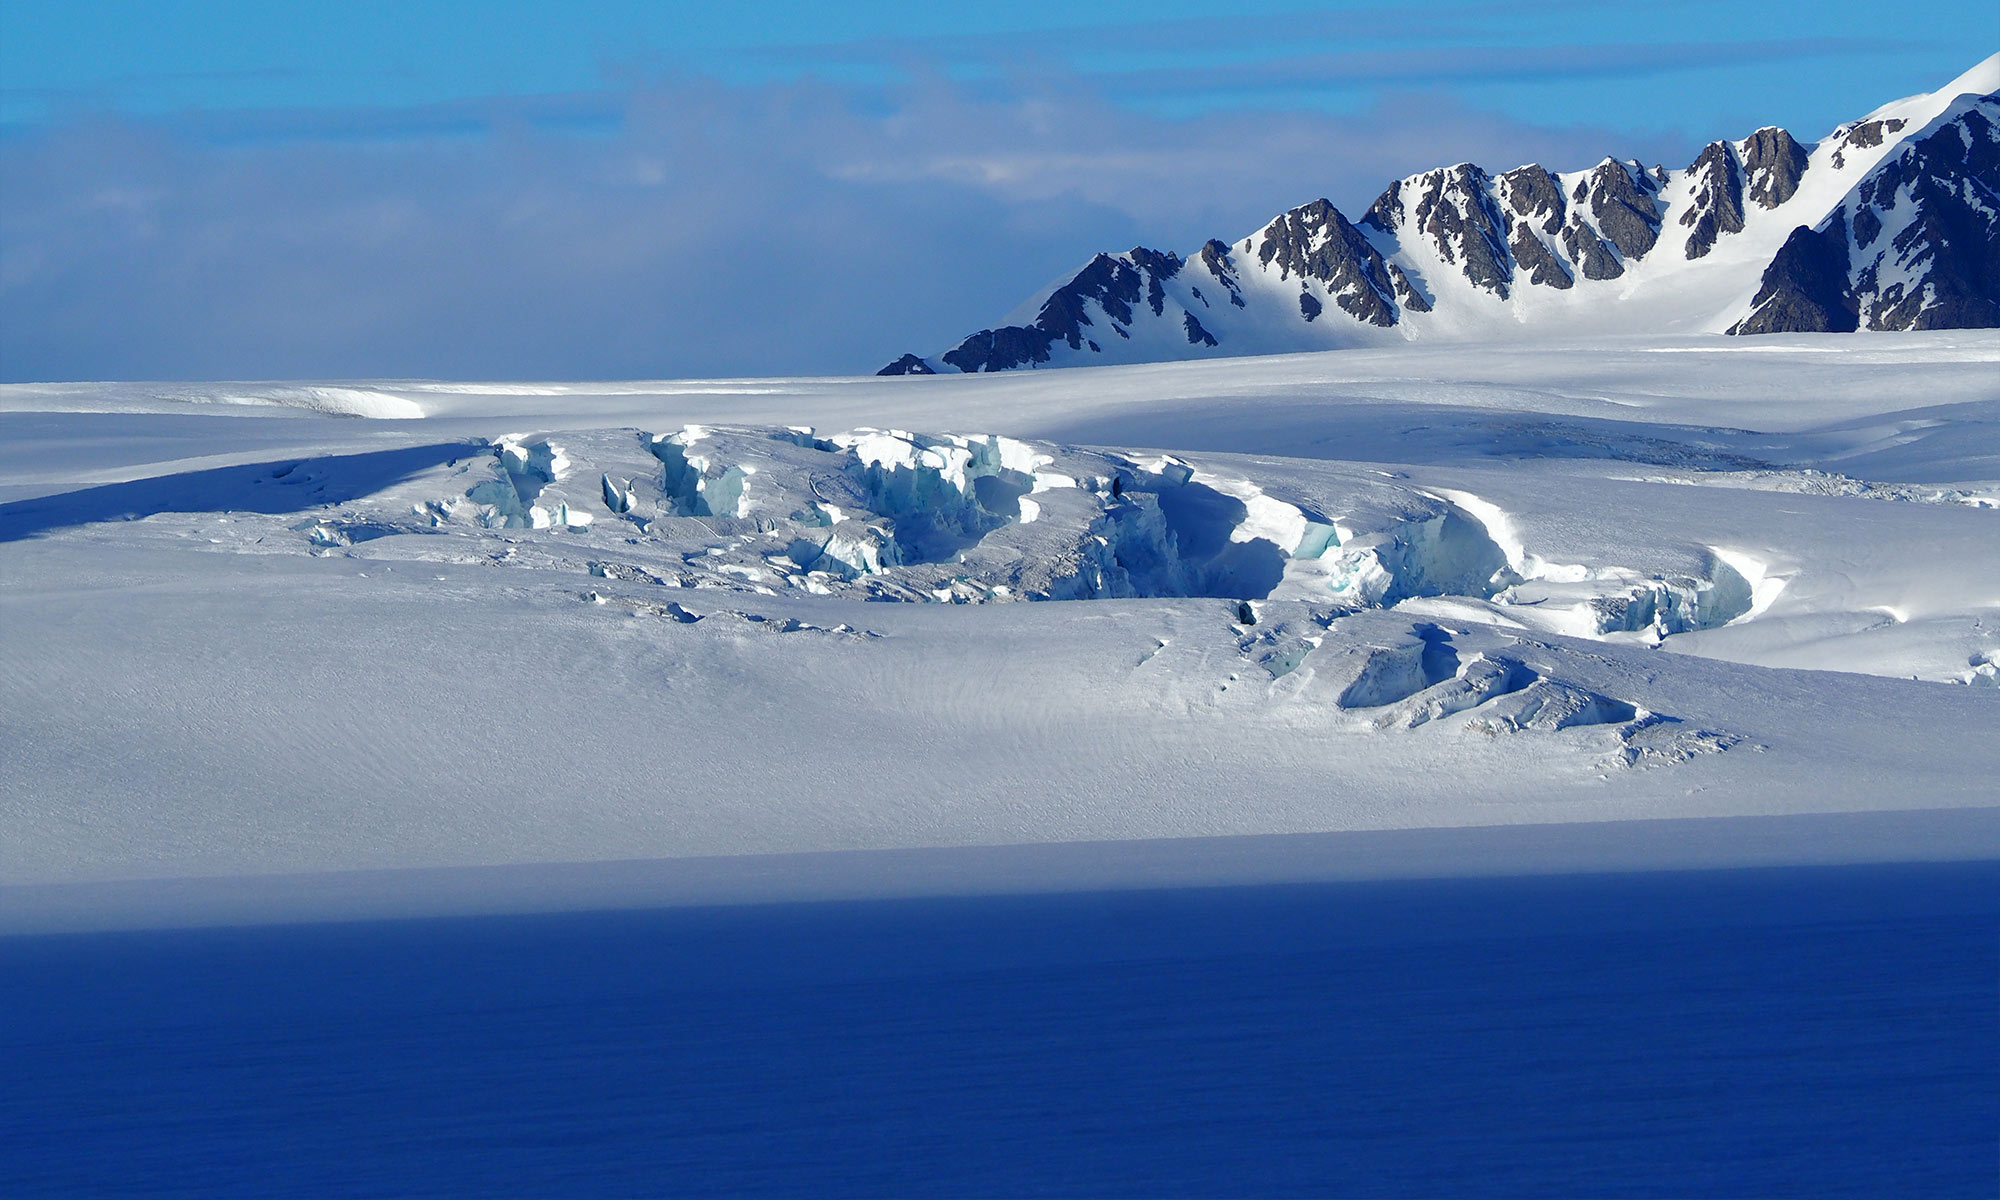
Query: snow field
x,y
1336,592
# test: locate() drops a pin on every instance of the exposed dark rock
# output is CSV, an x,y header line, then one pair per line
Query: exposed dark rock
x,y
1772,164
1000,349
1867,227
1863,135
1407,293
1454,207
1924,254
1162,263
1535,201
1157,267
1805,287
1866,135
1878,191
909,364
1624,203
1115,283
1388,213
1941,270
1543,267
1590,252
1947,256
1315,241
1215,256
1532,192
1716,204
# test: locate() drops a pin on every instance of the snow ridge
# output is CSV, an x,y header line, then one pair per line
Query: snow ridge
x,y
1891,222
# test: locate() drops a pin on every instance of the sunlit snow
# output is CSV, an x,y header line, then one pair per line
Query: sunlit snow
x,y
263,629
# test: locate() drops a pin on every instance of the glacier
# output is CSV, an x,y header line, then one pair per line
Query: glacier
x,y
256,634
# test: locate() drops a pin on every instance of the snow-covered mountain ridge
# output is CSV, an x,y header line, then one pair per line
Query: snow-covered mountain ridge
x,y
1890,222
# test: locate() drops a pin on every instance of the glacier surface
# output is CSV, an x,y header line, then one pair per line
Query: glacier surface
x,y
258,630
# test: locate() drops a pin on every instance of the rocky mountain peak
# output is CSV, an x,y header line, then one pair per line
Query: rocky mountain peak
x,y
1773,163
1909,239
1316,242
1914,245
1454,209
1715,204
1534,208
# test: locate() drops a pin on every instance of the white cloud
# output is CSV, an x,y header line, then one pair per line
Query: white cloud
x,y
680,227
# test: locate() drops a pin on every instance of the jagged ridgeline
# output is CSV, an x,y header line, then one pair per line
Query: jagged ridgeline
x,y
1890,222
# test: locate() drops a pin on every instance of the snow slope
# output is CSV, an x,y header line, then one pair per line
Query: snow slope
x,y
474,625
1890,222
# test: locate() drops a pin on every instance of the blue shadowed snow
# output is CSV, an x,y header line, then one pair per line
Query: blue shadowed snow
x,y
1817,1031
289,486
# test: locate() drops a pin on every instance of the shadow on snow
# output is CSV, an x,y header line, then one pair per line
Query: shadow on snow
x,y
287,486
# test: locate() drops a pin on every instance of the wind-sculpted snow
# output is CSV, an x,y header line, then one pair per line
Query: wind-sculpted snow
x,y
1501,685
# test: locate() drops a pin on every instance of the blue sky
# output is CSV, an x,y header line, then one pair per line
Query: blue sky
x,y
530,189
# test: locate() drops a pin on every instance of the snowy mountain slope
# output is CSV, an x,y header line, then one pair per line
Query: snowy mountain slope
x,y
1372,590
1762,235
1915,245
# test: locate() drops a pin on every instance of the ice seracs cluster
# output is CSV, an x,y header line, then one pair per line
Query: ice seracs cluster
x,y
892,514
1350,591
